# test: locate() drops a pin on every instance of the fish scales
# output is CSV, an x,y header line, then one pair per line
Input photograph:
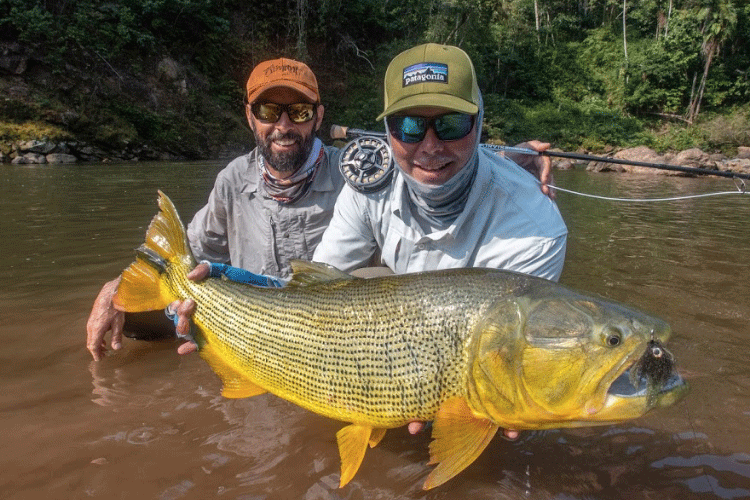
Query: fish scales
x,y
347,349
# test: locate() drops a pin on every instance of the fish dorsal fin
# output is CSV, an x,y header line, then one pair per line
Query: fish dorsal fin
x,y
235,384
352,441
459,437
313,273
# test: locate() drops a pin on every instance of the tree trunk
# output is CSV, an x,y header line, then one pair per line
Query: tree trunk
x,y
695,106
301,48
624,29
669,16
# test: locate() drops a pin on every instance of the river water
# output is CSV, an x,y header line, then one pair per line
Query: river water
x,y
147,423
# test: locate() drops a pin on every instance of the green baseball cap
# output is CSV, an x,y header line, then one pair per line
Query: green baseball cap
x,y
431,75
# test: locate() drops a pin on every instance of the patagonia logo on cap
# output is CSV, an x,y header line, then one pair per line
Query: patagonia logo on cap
x,y
425,72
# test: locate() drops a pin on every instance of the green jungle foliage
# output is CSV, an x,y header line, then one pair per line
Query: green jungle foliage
x,y
589,74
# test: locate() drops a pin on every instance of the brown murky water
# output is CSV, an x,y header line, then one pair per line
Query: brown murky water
x,y
146,423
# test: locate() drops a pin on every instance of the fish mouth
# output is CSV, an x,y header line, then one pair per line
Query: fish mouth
x,y
623,386
653,377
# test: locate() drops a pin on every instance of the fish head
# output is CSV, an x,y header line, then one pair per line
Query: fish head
x,y
555,358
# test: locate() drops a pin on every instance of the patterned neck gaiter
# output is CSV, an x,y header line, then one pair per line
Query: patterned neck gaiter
x,y
290,190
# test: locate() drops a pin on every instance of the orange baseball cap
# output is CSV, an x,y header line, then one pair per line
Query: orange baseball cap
x,y
282,73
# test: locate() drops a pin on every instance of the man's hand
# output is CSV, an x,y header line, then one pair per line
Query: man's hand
x,y
103,318
185,309
538,165
416,427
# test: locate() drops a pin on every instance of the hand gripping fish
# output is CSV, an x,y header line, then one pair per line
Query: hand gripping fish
x,y
471,349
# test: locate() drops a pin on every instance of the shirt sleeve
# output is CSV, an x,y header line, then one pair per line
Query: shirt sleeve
x,y
545,259
349,242
207,231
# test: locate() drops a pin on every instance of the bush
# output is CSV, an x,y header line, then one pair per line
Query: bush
x,y
567,125
32,130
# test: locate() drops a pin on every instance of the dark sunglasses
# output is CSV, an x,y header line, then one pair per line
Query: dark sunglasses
x,y
447,127
269,112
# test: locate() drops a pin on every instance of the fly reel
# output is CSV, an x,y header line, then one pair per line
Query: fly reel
x,y
367,163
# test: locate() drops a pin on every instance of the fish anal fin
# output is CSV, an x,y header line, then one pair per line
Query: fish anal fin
x,y
241,388
312,273
352,441
235,384
459,437
140,289
377,435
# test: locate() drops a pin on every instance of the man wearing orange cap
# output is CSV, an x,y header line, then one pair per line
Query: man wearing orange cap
x,y
267,207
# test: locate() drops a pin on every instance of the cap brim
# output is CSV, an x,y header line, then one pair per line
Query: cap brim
x,y
305,91
448,102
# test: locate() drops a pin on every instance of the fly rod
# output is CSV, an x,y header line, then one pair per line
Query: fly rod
x,y
339,132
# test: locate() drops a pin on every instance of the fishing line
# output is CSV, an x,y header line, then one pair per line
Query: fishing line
x,y
741,189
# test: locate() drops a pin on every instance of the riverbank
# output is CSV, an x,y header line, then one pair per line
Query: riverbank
x,y
42,152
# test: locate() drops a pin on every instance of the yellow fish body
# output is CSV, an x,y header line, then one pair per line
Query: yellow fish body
x,y
472,349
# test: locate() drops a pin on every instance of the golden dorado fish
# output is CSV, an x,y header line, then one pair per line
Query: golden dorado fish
x,y
471,349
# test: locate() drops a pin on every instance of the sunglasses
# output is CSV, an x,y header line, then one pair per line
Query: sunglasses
x,y
447,127
269,112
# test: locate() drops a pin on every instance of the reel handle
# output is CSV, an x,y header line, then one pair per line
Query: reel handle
x,y
341,132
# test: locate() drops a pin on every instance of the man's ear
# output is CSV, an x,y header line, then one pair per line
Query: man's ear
x,y
319,115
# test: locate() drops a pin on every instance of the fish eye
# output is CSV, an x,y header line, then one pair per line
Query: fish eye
x,y
613,337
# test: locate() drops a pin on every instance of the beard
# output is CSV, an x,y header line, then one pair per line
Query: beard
x,y
289,161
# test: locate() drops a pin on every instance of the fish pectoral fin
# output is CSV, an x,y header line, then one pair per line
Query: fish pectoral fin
x,y
352,441
312,273
235,384
376,436
459,437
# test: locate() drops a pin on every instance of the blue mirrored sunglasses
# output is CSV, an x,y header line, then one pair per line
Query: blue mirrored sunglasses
x,y
447,127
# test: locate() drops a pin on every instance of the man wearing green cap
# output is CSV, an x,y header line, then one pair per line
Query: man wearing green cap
x,y
451,203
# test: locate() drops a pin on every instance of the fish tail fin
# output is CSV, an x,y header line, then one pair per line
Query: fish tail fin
x,y
166,251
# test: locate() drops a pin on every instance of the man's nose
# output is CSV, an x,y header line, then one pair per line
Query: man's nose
x,y
284,122
431,143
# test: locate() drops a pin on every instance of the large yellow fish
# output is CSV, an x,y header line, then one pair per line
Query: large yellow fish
x,y
471,349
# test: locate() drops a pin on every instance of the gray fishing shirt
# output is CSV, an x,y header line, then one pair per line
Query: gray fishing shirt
x,y
243,226
507,224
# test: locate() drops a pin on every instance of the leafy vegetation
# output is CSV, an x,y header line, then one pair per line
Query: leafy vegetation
x,y
590,74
